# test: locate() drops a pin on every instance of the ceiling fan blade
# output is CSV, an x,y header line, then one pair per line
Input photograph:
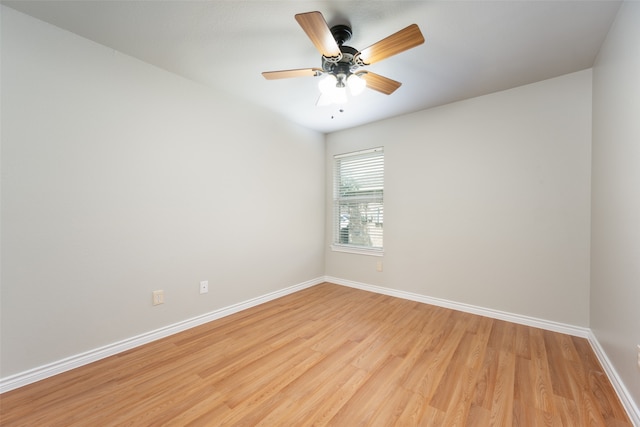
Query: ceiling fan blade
x,y
380,83
398,42
287,74
318,31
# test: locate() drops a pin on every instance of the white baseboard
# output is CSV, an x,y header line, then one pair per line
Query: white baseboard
x,y
467,308
33,375
624,395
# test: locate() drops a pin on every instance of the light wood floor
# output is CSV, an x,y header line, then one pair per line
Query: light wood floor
x,y
331,355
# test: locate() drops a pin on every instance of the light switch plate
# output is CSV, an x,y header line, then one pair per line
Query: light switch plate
x,y
158,297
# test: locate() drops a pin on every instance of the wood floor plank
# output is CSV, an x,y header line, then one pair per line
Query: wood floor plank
x,y
413,410
323,414
332,355
541,377
360,409
302,401
502,405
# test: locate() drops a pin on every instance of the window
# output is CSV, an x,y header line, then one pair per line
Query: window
x,y
358,208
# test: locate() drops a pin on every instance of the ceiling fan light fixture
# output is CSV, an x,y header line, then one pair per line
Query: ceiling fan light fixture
x,y
356,84
332,90
327,84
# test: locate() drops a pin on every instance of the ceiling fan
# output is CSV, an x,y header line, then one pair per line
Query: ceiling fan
x,y
342,65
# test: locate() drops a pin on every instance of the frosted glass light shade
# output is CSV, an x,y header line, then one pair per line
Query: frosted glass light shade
x,y
330,93
356,84
327,84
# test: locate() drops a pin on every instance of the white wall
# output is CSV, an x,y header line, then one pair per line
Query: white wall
x,y
486,201
119,178
615,245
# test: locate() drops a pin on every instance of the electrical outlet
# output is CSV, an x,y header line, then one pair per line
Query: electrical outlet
x,y
638,355
204,286
379,266
158,297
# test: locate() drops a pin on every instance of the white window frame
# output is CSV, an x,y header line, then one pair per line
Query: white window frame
x,y
375,195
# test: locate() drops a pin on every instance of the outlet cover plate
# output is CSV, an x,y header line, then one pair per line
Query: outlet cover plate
x,y
204,286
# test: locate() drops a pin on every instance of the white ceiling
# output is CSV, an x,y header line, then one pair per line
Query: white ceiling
x,y
472,47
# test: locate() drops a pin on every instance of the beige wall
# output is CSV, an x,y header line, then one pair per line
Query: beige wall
x,y
486,201
615,246
119,178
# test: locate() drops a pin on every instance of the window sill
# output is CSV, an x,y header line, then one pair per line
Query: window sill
x,y
357,250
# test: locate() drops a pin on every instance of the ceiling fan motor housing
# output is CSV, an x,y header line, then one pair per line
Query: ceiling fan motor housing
x,y
348,62
346,65
341,33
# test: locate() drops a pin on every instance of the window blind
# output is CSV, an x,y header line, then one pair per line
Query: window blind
x,y
358,199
